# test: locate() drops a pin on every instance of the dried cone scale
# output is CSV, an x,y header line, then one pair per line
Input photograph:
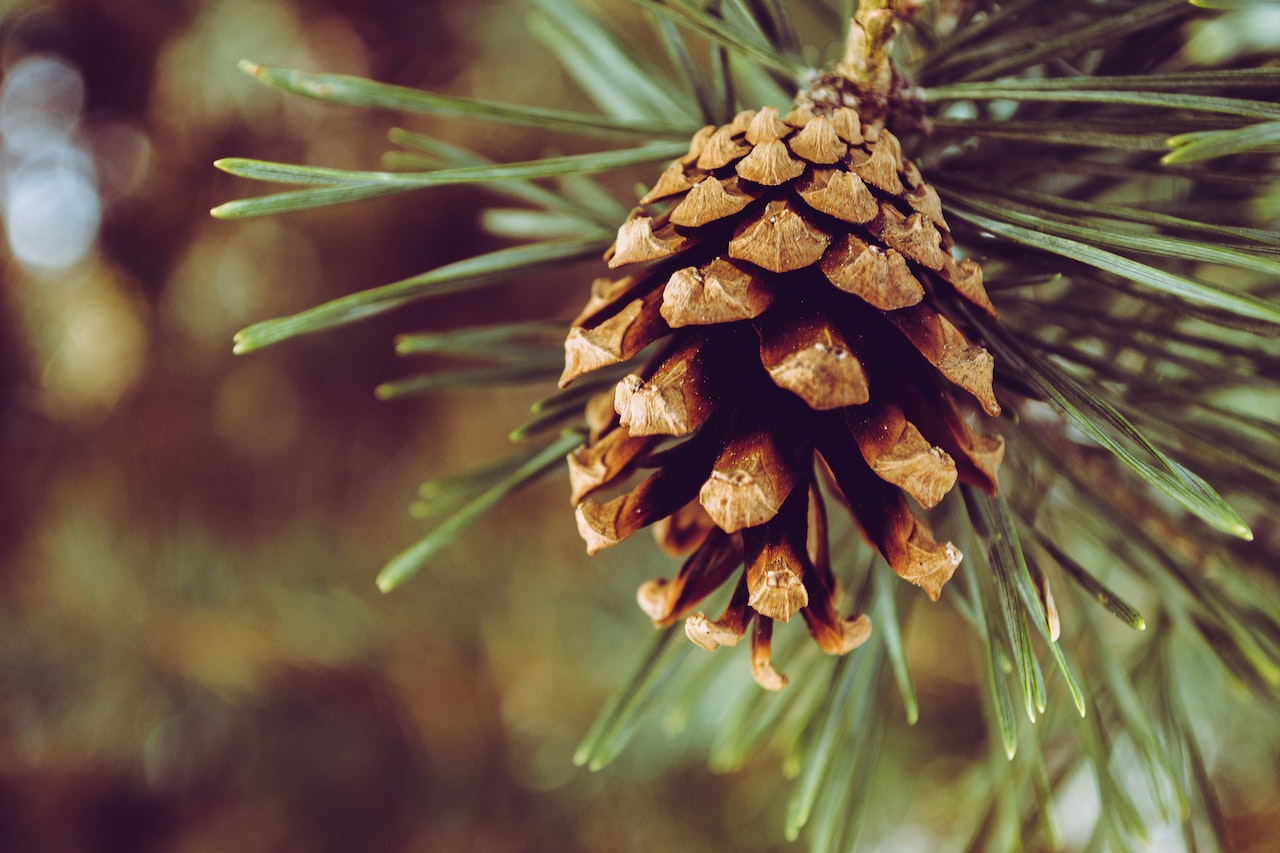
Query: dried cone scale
x,y
791,275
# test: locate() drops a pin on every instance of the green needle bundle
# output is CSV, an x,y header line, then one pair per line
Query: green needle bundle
x,y
987,303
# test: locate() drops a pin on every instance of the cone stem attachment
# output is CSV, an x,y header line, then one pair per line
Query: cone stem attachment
x,y
866,55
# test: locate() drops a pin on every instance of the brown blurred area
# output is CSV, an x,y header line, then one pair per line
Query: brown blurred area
x,y
193,654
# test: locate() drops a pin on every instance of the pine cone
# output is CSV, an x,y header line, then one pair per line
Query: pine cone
x,y
792,275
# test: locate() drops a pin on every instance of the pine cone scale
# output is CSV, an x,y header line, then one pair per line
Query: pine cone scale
x,y
840,194
750,479
779,240
818,142
809,356
718,292
710,200
899,453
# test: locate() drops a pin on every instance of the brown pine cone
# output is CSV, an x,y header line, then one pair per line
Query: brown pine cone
x,y
791,275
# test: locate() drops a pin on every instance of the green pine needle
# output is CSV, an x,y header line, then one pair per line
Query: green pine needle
x,y
451,278
343,185
1103,423
622,715
410,561
1040,233
359,92
1204,145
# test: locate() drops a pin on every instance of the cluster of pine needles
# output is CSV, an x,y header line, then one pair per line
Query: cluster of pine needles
x,y
1122,202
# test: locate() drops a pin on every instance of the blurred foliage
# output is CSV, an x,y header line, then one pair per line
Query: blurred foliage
x,y
194,655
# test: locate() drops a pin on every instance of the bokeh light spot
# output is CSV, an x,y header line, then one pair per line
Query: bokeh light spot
x,y
51,205
42,96
52,214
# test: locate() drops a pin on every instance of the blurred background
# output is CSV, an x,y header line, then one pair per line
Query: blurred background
x,y
193,655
